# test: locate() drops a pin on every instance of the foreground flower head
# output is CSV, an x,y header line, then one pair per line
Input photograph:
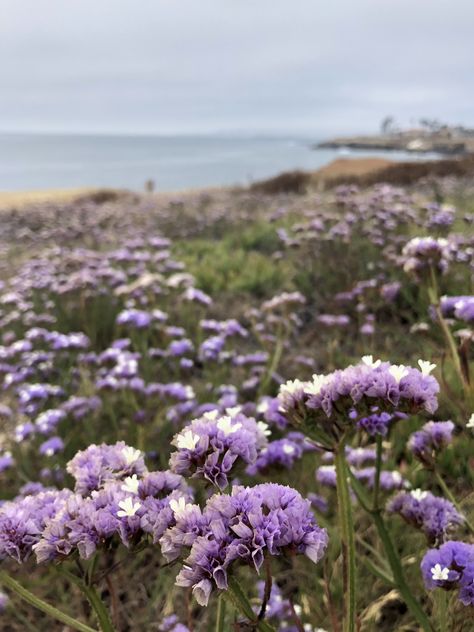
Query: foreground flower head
x,y
451,567
243,527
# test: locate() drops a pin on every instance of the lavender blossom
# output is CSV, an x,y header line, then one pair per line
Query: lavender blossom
x,y
451,567
252,522
99,464
329,401
431,439
210,446
435,516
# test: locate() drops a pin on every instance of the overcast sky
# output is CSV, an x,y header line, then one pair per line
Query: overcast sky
x,y
305,66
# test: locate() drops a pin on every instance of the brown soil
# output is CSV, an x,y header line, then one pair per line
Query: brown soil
x,y
342,167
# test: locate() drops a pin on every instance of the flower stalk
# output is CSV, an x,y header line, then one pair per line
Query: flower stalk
x,y
347,538
38,603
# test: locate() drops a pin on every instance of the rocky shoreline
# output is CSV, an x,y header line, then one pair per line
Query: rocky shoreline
x,y
414,141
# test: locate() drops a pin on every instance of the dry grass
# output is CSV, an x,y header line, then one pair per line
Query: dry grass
x,y
9,199
342,167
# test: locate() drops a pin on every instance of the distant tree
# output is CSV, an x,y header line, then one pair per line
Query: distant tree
x,y
432,125
387,126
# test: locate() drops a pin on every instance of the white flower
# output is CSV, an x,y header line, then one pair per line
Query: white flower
x,y
131,484
130,455
186,440
235,410
426,367
128,508
368,360
439,573
211,415
396,477
264,429
189,392
398,372
291,390
418,494
263,407
288,449
314,387
179,506
470,423
225,425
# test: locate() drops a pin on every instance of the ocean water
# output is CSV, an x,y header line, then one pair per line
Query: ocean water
x,y
44,161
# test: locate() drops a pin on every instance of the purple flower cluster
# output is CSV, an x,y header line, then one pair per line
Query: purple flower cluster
x,y
376,424
211,445
433,515
115,495
422,253
100,464
23,520
130,509
460,307
353,392
431,439
451,567
282,453
245,526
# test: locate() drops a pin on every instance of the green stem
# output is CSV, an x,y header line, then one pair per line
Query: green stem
x,y
273,365
441,609
242,604
451,497
38,603
99,608
378,467
397,571
434,297
347,538
93,598
220,621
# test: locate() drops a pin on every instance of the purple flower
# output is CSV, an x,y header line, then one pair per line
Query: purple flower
x,y
269,407
198,296
212,347
354,392
23,431
51,446
451,567
211,445
435,516
180,347
100,464
421,253
134,318
431,439
375,424
49,419
22,521
244,527
390,291
6,461
281,453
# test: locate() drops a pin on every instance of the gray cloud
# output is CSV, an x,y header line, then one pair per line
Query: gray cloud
x,y
304,66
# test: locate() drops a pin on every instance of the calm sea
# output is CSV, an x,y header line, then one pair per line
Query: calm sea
x,y
43,161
